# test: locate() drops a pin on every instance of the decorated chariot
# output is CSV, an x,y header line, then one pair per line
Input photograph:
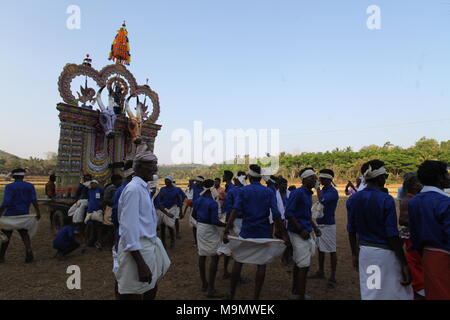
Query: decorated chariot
x,y
99,130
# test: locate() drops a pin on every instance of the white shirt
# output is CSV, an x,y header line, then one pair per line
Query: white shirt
x,y
136,214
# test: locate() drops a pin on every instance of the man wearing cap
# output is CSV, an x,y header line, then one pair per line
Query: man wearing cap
x,y
169,202
18,197
372,225
142,259
300,226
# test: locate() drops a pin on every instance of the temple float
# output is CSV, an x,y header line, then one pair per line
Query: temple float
x,y
96,136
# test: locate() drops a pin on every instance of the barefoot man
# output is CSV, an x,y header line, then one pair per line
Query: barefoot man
x,y
142,259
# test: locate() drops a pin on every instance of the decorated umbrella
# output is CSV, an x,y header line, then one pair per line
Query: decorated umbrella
x,y
120,48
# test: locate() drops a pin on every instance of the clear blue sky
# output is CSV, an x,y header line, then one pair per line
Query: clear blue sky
x,y
310,68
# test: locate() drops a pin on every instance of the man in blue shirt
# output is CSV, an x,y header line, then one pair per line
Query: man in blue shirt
x,y
429,226
18,197
94,228
328,197
372,222
64,241
206,212
255,202
169,202
300,226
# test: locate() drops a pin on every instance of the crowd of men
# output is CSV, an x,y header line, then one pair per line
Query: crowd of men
x,y
252,223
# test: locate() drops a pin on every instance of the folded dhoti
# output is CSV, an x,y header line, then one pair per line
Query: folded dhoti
x,y
303,249
26,222
327,241
255,251
164,219
380,275
78,211
208,239
155,256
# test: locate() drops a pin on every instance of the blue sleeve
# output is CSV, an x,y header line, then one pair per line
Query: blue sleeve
x,y
274,207
291,205
390,222
351,226
33,194
7,199
237,200
157,201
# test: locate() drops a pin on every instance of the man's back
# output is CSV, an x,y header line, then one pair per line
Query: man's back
x,y
18,197
372,215
429,220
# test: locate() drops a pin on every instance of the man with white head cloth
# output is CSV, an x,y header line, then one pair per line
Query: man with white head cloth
x,y
255,244
300,226
328,197
142,259
374,239
169,203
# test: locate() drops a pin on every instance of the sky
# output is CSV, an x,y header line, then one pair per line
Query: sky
x,y
311,69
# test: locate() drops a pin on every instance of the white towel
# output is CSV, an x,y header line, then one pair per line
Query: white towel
x,y
280,204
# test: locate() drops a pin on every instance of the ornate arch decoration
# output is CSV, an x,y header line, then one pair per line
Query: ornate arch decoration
x,y
101,77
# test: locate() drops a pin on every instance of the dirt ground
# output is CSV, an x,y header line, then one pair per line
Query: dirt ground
x,y
46,277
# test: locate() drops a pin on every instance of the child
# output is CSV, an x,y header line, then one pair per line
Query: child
x,y
64,240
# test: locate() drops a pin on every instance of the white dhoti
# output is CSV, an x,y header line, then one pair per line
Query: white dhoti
x,y
327,241
164,219
78,211
380,275
27,222
208,239
255,251
156,258
303,250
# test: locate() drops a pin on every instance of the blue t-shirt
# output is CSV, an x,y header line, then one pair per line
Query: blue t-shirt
x,y
255,202
429,220
207,210
63,238
372,216
114,217
329,199
233,198
169,197
95,198
272,188
18,197
299,206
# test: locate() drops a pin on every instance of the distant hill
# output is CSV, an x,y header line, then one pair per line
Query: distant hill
x,y
6,155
